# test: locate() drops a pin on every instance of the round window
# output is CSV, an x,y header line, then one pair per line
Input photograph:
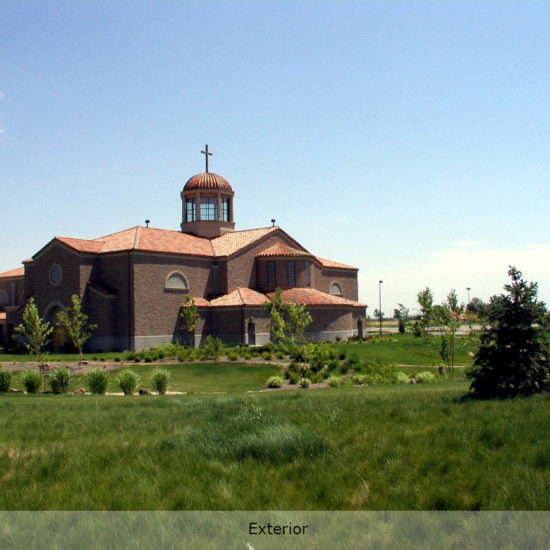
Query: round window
x,y
56,274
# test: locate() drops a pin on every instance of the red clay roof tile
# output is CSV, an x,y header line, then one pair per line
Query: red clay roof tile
x,y
281,249
313,297
18,272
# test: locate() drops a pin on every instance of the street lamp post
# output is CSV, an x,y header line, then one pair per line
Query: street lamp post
x,y
380,304
468,311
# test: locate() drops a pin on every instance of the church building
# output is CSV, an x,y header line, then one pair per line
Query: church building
x,y
133,283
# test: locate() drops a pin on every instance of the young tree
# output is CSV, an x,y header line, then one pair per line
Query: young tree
x,y
189,315
76,323
425,301
447,318
514,357
402,316
35,331
288,321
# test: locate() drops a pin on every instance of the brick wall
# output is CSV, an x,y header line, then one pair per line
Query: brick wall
x,y
156,307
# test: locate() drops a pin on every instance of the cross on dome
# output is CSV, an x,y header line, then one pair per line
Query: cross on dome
x,y
206,154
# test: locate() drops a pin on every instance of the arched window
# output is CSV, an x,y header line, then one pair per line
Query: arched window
x,y
176,281
4,298
335,289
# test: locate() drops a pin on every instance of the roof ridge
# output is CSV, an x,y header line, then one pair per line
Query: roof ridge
x,y
137,234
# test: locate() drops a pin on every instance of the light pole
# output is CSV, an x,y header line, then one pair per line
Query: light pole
x,y
380,304
468,311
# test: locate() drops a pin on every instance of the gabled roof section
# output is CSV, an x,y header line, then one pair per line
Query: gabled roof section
x,y
313,297
19,272
282,249
231,242
330,263
240,297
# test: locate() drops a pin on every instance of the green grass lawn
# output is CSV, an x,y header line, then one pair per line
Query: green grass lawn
x,y
405,349
413,447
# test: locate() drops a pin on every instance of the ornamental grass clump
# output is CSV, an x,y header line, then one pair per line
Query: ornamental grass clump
x,y
32,380
160,380
275,382
5,380
128,381
97,380
60,380
334,381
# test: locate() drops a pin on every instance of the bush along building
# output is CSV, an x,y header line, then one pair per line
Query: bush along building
x,y
134,283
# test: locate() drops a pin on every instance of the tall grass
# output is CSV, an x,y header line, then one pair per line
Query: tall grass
x,y
406,447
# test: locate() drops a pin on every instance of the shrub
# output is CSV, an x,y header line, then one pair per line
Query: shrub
x,y
232,355
293,377
358,379
97,380
275,382
266,355
213,347
60,380
402,378
425,377
117,359
305,382
128,381
5,380
334,381
160,380
148,358
32,380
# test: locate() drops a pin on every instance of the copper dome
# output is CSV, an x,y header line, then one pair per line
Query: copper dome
x,y
207,180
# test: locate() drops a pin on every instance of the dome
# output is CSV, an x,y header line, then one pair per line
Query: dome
x,y
207,180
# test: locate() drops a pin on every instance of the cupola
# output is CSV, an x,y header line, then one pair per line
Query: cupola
x,y
207,204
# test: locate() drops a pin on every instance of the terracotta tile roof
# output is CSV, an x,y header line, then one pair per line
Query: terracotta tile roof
x,y
19,272
281,249
233,241
82,245
207,180
313,297
329,263
201,302
240,297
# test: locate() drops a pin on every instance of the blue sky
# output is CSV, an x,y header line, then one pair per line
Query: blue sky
x,y
410,139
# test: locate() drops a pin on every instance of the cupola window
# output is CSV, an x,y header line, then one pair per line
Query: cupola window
x,y
209,208
190,209
225,209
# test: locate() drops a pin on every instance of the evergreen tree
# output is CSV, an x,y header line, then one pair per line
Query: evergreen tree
x,y
514,357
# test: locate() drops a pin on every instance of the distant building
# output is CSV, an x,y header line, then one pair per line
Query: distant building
x,y
134,282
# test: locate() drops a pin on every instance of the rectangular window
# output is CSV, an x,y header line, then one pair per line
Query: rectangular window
x,y
190,210
291,274
225,209
271,281
209,208
308,273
